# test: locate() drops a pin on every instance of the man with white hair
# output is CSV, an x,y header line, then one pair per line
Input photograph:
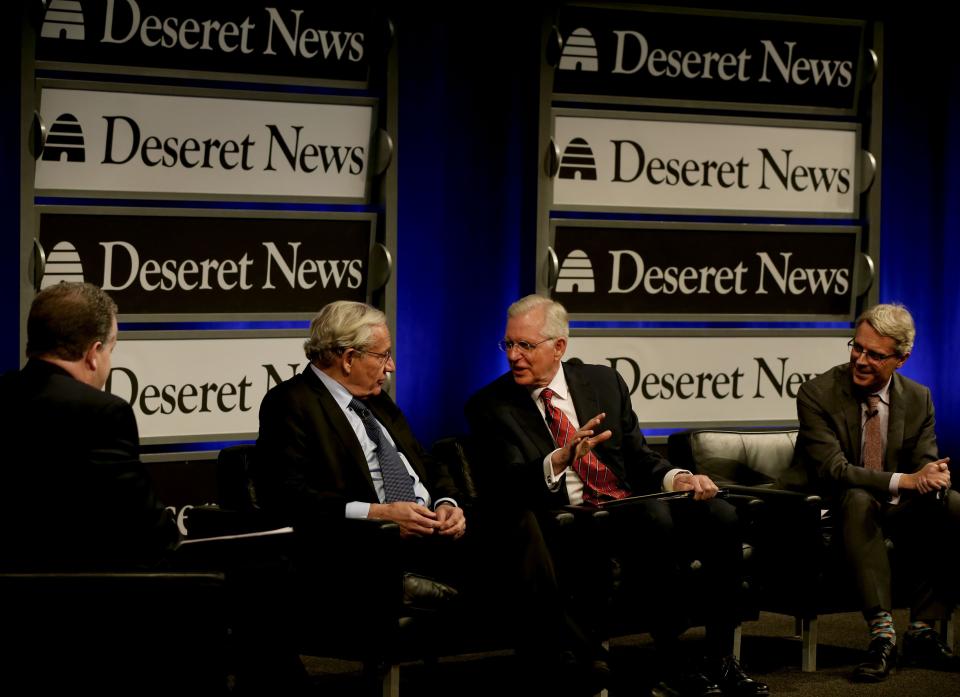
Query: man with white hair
x,y
565,433
333,445
867,443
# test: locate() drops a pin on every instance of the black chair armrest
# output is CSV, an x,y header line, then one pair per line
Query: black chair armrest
x,y
778,496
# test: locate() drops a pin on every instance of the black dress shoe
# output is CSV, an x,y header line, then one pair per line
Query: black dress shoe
x,y
583,675
733,680
925,649
686,684
881,655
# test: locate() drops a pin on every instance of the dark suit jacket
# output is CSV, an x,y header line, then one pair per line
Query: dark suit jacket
x,y
513,434
73,484
309,462
828,446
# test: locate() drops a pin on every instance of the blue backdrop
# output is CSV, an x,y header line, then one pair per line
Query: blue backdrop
x,y
467,158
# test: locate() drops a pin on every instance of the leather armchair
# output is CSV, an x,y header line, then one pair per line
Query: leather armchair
x,y
589,570
118,632
359,603
798,571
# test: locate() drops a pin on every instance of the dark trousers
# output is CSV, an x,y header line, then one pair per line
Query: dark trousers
x,y
645,553
926,541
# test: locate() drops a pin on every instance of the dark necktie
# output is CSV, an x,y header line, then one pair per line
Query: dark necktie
x,y
599,482
397,482
872,437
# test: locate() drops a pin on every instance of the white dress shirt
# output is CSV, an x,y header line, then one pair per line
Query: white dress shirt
x,y
361,509
563,400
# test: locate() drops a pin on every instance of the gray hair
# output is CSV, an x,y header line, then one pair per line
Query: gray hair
x,y
67,318
341,325
892,320
555,323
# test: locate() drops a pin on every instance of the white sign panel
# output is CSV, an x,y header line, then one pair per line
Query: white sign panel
x,y
165,144
185,390
713,380
705,166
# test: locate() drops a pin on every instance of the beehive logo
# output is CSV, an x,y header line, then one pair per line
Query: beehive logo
x,y
579,52
578,161
576,274
65,138
63,264
63,20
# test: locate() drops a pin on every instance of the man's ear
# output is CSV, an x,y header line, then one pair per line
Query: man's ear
x,y
559,347
346,360
92,355
902,360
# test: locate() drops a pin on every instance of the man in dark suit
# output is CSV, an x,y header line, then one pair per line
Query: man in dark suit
x,y
542,425
867,443
76,489
333,445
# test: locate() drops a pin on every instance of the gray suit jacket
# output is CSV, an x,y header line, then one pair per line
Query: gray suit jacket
x,y
829,443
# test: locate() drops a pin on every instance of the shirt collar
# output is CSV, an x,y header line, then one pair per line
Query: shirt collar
x,y
341,394
558,385
883,393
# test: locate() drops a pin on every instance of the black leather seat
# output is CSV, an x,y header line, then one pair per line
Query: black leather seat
x,y
375,612
798,571
144,632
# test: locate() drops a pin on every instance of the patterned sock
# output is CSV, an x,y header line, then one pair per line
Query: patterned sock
x,y
881,626
918,628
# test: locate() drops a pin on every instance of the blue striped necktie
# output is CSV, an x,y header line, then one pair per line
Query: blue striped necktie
x,y
397,482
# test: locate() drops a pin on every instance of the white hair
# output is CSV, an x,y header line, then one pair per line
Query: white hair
x,y
555,323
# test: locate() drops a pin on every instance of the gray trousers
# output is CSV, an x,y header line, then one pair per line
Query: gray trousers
x,y
926,541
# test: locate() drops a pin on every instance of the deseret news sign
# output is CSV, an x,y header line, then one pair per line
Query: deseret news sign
x,y
102,142
278,41
703,164
189,389
159,264
733,60
639,270
716,378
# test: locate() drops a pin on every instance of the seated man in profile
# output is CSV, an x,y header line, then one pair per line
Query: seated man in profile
x,y
565,433
334,446
867,444
75,487
78,498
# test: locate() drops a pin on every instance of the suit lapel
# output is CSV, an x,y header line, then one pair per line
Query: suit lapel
x,y
585,400
851,413
338,422
895,424
402,437
528,418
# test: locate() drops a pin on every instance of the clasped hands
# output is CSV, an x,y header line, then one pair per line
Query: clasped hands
x,y
932,476
416,520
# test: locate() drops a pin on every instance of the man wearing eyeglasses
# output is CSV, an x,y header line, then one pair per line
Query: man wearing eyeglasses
x,y
867,440
333,445
565,433
324,432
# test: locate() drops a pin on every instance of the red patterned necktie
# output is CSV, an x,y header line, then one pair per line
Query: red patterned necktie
x,y
599,482
872,438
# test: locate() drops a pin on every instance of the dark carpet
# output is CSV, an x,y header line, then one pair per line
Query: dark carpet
x,y
770,652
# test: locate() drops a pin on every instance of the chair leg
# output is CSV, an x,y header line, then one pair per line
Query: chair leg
x,y
390,682
808,634
606,645
948,630
737,638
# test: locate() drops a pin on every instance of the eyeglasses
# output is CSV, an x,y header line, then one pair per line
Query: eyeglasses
x,y
871,355
506,345
384,357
